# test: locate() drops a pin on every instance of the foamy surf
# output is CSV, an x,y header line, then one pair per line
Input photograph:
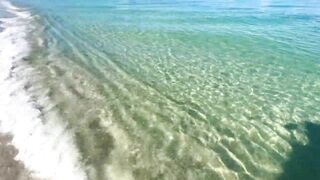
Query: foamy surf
x,y
46,149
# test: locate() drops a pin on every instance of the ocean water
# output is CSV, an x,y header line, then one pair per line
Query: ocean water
x,y
159,89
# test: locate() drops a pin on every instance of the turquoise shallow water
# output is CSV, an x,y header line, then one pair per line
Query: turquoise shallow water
x,y
183,89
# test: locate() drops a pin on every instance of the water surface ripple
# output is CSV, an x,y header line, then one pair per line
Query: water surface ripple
x,y
181,89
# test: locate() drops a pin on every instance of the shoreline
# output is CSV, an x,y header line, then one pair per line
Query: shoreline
x,y
39,150
10,167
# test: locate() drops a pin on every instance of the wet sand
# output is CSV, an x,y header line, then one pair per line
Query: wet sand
x,y
11,169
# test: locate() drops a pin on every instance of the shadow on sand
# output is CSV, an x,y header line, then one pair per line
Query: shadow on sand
x,y
304,163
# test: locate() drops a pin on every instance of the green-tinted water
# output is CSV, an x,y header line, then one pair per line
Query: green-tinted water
x,y
182,89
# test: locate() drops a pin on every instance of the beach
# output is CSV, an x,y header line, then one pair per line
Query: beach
x,y
117,90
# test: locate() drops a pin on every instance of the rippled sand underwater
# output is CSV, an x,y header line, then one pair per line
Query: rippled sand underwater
x,y
182,89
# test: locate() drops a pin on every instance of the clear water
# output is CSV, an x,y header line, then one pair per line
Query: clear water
x,y
182,89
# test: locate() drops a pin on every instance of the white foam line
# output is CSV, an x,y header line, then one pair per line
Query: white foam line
x,y
47,150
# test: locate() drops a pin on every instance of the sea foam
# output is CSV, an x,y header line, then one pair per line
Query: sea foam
x,y
46,149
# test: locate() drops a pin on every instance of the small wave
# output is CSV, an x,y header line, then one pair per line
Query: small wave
x,y
46,149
